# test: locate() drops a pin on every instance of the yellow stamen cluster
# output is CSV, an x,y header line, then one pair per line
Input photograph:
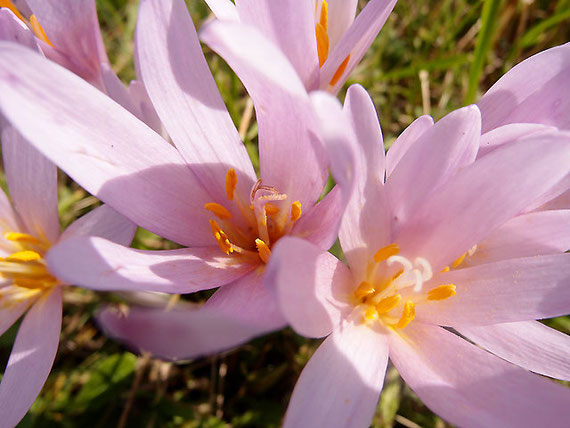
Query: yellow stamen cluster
x,y
385,300
266,220
26,268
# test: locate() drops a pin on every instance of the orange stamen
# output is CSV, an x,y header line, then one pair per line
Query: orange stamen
x,y
339,71
39,31
263,250
218,210
231,183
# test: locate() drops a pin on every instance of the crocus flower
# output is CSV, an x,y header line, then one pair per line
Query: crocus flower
x,y
29,228
321,38
411,244
203,193
69,34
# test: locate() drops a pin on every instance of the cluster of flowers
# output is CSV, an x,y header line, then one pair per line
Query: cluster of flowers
x,y
454,241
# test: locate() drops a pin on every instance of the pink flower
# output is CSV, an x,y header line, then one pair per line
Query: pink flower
x,y
203,193
29,228
66,31
321,38
72,38
413,244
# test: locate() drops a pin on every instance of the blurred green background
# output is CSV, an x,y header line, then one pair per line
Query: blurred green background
x,y
431,57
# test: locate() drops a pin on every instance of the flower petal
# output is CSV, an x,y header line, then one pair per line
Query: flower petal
x,y
291,159
470,387
320,225
223,9
446,147
184,93
507,133
31,358
406,140
534,234
32,180
483,196
340,16
14,30
341,383
10,313
505,291
355,42
290,25
105,222
361,112
313,288
248,300
528,344
73,29
179,333
103,147
533,91
100,264
9,222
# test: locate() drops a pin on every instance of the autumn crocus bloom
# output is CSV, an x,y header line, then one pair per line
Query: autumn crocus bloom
x,y
202,194
321,38
406,241
29,232
69,34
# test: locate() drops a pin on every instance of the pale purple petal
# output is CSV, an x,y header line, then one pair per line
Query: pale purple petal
x,y
534,234
73,29
291,158
483,196
14,30
100,264
470,387
31,358
534,91
355,41
248,301
184,93
406,140
365,227
340,16
313,288
320,225
104,222
115,88
506,291
560,202
528,344
555,198
507,133
341,383
449,145
32,180
10,313
290,25
140,98
183,332
361,112
103,147
223,9
9,222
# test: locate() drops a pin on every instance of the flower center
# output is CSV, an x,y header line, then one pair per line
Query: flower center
x,y
24,273
321,32
394,287
32,23
265,218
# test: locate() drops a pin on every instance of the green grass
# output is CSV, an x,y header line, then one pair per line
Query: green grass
x,y
459,48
